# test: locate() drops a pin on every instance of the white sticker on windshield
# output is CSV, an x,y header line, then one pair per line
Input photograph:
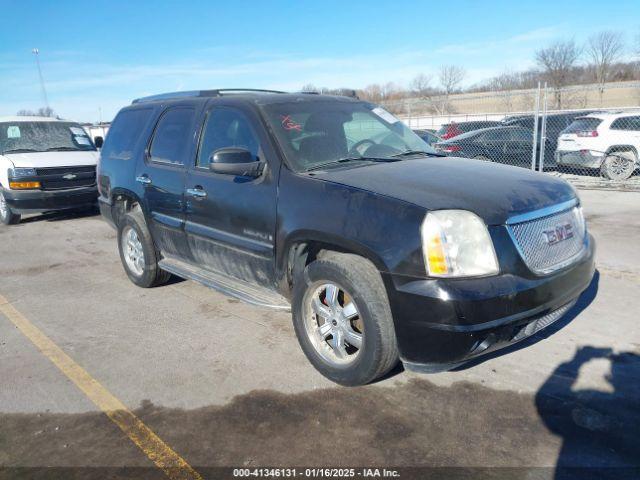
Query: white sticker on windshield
x,y
78,131
82,140
386,116
13,131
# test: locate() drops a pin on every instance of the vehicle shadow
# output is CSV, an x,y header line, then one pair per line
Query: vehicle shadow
x,y
59,215
583,302
600,430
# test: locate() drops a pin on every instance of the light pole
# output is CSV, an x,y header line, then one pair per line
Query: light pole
x,y
36,52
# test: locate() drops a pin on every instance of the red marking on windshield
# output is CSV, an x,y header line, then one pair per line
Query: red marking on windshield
x,y
289,124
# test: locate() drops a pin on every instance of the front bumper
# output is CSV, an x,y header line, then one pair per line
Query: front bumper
x,y
34,201
441,323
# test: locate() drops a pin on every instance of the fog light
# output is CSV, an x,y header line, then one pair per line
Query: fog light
x,y
24,185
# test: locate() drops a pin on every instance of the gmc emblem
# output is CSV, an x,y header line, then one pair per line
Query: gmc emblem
x,y
559,234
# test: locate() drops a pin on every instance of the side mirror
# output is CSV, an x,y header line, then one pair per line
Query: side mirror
x,y
98,141
235,161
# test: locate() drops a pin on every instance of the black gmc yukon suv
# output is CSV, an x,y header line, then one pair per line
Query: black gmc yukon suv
x,y
382,248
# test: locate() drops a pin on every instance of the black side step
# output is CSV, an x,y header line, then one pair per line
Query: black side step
x,y
233,287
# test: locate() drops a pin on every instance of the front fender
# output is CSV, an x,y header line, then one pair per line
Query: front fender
x,y
383,229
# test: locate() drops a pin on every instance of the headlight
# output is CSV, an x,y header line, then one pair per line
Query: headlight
x,y
20,172
456,243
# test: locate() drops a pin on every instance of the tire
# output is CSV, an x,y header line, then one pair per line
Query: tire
x,y
7,217
358,282
145,273
618,165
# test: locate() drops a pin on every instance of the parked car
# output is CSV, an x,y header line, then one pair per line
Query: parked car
x,y
427,136
45,164
509,145
555,124
609,141
453,129
382,248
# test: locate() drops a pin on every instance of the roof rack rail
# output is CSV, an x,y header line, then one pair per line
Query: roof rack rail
x,y
200,93
255,90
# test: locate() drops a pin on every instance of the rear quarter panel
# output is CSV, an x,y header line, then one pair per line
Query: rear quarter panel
x,y
117,175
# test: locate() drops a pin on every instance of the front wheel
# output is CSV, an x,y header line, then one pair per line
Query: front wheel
x,y
342,319
7,217
138,253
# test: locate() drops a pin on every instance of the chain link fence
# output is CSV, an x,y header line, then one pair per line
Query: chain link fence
x,y
589,135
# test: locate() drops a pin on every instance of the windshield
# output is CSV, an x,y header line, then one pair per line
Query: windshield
x,y
314,133
17,137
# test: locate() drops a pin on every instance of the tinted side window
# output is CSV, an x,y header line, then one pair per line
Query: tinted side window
x,y
495,136
172,137
226,127
583,124
626,123
522,135
124,133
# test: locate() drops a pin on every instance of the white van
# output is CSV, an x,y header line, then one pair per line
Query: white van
x,y
45,164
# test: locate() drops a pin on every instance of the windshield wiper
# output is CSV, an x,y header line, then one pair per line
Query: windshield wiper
x,y
19,150
408,153
62,149
351,159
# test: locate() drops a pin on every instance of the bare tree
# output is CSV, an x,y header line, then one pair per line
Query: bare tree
x,y
421,85
46,112
450,77
41,112
604,50
372,93
557,62
309,87
504,85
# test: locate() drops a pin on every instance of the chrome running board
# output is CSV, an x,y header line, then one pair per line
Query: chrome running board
x,y
233,287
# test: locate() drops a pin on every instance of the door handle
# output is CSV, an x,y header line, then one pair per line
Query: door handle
x,y
144,179
196,192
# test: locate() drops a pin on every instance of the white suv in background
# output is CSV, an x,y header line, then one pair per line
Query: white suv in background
x,y
609,141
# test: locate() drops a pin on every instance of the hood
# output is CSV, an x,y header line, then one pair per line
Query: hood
x,y
492,191
52,159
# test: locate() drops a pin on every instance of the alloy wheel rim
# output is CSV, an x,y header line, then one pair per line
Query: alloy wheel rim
x,y
620,167
133,252
333,324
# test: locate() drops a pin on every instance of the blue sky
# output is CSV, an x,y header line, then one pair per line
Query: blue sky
x,y
100,55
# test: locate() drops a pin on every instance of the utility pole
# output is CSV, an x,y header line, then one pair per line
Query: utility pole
x,y
36,52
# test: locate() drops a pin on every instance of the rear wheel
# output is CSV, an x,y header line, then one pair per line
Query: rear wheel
x,y
7,217
619,165
138,253
342,319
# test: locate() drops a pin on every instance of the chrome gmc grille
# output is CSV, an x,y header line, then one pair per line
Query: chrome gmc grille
x,y
550,241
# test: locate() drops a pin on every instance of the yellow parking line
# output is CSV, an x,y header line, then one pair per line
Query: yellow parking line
x,y
173,465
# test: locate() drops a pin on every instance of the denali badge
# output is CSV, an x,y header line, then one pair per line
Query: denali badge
x,y
560,233
69,176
